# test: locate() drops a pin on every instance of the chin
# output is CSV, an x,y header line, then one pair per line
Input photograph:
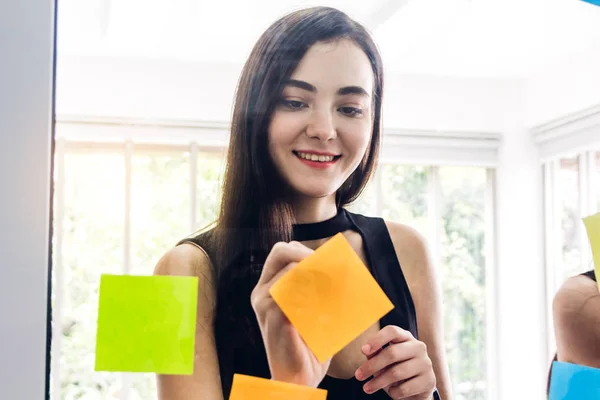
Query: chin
x,y
315,191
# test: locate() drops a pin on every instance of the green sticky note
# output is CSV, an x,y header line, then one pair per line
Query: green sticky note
x,y
146,324
592,225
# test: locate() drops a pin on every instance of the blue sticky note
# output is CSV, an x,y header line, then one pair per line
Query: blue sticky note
x,y
594,2
574,382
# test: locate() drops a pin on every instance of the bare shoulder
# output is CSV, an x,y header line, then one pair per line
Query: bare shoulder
x,y
577,322
411,250
185,260
573,296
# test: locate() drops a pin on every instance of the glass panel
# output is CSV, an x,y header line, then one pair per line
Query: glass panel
x,y
366,203
211,167
92,245
160,213
160,206
463,274
571,225
406,195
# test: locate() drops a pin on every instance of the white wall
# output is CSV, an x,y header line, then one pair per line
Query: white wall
x,y
520,277
26,53
452,104
194,91
144,88
564,88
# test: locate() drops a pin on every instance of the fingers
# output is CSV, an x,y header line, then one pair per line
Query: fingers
x,y
281,255
418,385
392,354
395,374
388,334
282,258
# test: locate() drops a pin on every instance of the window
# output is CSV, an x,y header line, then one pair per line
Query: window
x,y
406,189
570,220
118,211
88,241
447,205
120,207
462,236
571,187
571,193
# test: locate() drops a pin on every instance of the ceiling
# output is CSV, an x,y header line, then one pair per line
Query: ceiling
x,y
456,38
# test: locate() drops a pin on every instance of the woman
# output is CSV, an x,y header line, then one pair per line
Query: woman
x,y
576,310
304,142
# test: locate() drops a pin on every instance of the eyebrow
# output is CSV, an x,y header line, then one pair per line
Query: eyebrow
x,y
341,92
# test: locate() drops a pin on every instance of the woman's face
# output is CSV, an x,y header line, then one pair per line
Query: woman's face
x,y
322,125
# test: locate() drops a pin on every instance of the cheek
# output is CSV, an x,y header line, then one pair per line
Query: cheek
x,y
358,138
283,129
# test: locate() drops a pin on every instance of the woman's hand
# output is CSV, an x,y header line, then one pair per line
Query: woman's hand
x,y
290,359
403,369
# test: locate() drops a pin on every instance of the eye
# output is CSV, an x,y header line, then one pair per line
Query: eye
x,y
293,104
351,111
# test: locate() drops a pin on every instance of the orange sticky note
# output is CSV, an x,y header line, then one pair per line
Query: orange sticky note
x,y
246,387
592,226
330,298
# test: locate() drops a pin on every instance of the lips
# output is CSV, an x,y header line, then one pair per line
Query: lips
x,y
316,156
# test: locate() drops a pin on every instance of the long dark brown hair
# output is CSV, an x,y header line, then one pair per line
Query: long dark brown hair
x,y
254,212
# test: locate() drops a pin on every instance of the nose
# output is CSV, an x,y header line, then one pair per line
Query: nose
x,y
321,126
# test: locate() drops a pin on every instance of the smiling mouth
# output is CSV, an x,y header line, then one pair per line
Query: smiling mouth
x,y
316,157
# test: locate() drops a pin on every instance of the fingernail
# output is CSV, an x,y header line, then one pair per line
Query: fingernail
x,y
366,349
367,388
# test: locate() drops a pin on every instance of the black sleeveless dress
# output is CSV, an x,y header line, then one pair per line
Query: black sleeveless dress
x,y
590,274
239,343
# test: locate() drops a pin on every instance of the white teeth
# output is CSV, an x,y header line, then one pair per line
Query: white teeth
x,y
314,157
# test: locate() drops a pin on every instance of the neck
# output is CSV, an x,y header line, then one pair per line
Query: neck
x,y
311,210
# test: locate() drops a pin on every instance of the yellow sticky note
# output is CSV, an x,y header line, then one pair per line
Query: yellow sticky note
x,y
330,298
592,225
246,387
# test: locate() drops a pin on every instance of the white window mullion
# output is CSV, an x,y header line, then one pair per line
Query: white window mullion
x,y
491,301
127,219
193,185
58,283
125,377
550,264
553,245
556,228
593,189
589,183
585,206
434,211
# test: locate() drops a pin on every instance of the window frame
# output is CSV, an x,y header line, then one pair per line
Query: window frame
x,y
26,134
552,225
89,134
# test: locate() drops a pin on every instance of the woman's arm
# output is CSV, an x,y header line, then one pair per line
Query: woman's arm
x,y
425,290
576,310
205,383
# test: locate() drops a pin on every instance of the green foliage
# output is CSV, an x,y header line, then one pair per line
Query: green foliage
x,y
463,276
406,199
